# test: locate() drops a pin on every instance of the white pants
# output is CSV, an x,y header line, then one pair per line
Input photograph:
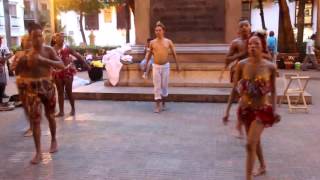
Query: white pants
x,y
160,80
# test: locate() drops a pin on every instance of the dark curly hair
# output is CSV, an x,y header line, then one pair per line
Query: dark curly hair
x,y
263,38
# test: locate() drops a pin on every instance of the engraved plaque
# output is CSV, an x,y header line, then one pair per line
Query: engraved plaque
x,y
190,21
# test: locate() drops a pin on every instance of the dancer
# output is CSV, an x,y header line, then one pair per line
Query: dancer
x,y
266,55
254,80
159,48
26,45
36,87
64,78
237,51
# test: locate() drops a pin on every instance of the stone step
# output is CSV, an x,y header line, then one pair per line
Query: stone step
x,y
191,75
97,91
192,53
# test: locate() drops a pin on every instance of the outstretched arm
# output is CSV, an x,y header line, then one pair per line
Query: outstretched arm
x,y
274,89
173,50
148,56
232,94
54,60
79,57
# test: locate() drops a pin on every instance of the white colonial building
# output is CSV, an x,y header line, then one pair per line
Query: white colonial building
x,y
271,14
22,12
103,26
16,12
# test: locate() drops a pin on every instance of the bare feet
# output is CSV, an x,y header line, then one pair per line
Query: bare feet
x,y
261,171
60,114
28,133
239,130
225,120
157,108
72,113
164,107
36,159
53,147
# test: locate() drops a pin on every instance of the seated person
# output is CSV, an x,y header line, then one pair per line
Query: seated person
x,y
144,61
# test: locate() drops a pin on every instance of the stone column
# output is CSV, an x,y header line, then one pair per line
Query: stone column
x,y
233,15
318,24
142,20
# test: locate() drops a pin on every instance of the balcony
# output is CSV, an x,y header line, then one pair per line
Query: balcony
x,y
29,16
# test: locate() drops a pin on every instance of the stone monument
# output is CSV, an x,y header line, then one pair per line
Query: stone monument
x,y
201,31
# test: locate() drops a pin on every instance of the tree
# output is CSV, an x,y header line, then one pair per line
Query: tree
x,y
7,22
318,25
81,7
286,40
262,15
300,24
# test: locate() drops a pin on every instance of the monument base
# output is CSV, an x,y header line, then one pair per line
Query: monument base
x,y
201,66
191,75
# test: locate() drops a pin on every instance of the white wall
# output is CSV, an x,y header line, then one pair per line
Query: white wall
x,y
271,15
19,21
105,36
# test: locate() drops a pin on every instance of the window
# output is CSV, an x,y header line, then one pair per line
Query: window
x,y
27,7
92,21
308,13
246,9
44,6
13,10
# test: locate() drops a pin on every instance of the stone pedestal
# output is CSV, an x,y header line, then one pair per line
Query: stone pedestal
x,y
189,21
201,31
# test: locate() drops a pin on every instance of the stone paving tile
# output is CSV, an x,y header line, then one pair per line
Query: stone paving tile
x,y
126,141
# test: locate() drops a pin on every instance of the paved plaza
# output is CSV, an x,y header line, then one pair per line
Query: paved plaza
x,y
126,141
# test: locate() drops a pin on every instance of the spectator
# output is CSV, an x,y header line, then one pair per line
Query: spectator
x,y
4,56
310,61
144,61
272,45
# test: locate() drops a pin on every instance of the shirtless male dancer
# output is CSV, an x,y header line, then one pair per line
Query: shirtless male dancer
x,y
37,87
160,48
64,78
237,52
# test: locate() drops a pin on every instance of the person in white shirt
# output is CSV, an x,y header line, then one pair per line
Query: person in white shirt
x,y
310,61
5,54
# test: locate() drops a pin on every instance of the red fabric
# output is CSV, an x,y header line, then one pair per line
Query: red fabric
x,y
64,54
68,72
264,114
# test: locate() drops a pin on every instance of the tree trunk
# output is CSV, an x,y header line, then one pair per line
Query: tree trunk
x,y
287,43
318,24
300,25
7,22
81,29
262,15
36,11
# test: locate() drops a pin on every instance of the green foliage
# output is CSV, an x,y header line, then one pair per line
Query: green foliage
x,y
255,3
14,49
92,49
113,2
85,6
79,6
